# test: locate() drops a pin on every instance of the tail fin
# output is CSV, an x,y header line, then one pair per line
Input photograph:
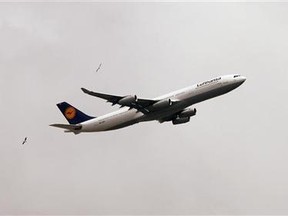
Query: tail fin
x,y
73,115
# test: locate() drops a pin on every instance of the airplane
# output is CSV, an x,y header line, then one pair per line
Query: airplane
x,y
174,106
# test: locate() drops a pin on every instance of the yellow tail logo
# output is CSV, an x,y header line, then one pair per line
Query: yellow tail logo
x,y
70,112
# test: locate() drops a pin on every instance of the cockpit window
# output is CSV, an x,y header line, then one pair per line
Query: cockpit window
x,y
236,76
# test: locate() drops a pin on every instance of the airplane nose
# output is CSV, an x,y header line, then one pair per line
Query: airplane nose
x,y
243,79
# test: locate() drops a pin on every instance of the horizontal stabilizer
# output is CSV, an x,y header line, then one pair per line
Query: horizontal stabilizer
x,y
68,127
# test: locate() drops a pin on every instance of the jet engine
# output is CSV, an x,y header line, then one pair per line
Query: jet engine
x,y
187,112
179,120
162,104
128,100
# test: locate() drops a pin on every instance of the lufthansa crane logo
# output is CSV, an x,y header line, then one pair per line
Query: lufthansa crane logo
x,y
70,113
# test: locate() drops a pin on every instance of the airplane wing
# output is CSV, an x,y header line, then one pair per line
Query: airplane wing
x,y
142,105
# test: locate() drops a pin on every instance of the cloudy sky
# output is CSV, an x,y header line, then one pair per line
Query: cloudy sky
x,y
230,159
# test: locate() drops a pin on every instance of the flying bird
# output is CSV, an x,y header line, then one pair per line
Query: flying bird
x,y
99,67
24,141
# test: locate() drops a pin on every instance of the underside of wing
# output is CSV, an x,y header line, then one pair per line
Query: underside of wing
x,y
110,98
131,101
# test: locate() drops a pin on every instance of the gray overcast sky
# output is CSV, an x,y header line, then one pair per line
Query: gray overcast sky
x,y
230,159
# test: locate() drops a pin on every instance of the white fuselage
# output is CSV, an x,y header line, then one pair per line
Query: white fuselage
x,y
185,97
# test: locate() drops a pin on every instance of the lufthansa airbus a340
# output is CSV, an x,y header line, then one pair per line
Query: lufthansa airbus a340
x,y
174,107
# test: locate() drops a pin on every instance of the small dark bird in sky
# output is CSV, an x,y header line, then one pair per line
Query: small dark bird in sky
x,y
99,67
24,141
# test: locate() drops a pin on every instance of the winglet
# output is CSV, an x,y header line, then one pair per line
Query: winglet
x,y
85,90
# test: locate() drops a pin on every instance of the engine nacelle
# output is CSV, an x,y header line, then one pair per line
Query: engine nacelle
x,y
128,100
180,120
188,112
162,104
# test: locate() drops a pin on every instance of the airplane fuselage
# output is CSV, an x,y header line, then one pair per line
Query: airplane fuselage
x,y
185,97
